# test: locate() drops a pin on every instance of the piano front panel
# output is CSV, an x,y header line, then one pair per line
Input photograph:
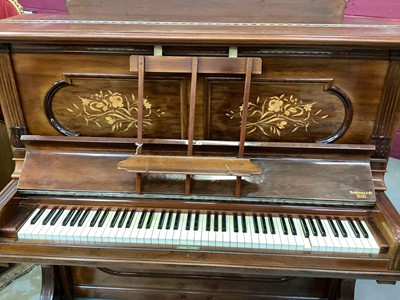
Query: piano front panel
x,y
129,283
296,92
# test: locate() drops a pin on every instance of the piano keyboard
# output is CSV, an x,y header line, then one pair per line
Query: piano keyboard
x,y
192,229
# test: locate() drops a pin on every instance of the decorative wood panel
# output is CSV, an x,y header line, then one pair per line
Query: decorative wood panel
x,y
296,110
106,105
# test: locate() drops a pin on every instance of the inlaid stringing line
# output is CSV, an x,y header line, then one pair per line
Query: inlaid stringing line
x,y
164,23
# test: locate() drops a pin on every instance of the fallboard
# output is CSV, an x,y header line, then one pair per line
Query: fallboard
x,y
303,173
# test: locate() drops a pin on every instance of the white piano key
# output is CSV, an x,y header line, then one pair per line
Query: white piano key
x,y
240,235
184,232
22,233
212,233
330,244
152,236
99,234
34,234
349,239
262,237
41,232
128,226
205,233
177,231
280,240
134,230
233,236
374,246
291,238
114,230
85,229
247,235
169,237
141,232
163,231
198,234
359,248
255,239
270,238
191,234
120,236
298,240
53,232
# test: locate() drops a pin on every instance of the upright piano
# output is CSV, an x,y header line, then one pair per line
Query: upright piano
x,y
200,159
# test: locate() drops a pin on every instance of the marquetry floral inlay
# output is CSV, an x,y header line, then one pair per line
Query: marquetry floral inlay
x,y
279,113
113,109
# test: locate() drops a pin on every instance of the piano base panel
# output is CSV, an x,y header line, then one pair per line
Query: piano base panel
x,y
125,283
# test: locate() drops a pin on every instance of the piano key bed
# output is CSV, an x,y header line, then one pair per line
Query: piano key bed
x,y
194,229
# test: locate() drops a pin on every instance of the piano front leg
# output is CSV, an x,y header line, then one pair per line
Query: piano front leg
x,y
56,280
48,282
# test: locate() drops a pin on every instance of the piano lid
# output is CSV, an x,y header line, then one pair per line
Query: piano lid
x,y
306,173
95,29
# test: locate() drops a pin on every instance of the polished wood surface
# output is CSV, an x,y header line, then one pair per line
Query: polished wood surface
x,y
310,105
225,10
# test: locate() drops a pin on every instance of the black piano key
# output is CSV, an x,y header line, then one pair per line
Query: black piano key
x,y
169,220
304,227
68,217
223,222
75,218
292,227
49,216
84,217
37,216
115,218
150,219
216,225
57,216
255,223
208,222
341,227
130,219
95,217
103,218
196,221
123,218
283,224
320,227
177,218
362,229
312,226
188,220
263,224
333,227
235,223
142,218
354,228
162,218
271,224
244,227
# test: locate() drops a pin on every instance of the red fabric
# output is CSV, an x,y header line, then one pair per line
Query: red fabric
x,y
7,9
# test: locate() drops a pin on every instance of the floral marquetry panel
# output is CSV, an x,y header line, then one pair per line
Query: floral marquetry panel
x,y
285,110
90,105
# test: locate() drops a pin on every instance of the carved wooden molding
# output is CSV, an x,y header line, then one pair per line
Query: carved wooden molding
x,y
387,111
15,136
9,98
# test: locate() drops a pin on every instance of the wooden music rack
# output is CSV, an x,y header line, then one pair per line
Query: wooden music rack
x,y
189,164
